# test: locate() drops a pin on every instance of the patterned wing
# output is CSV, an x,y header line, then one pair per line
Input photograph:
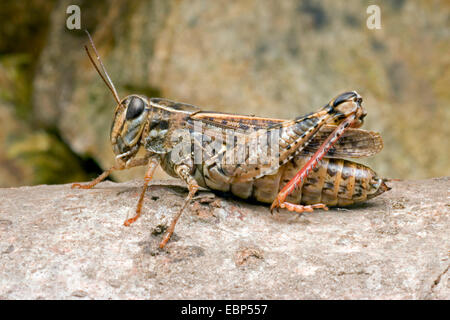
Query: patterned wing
x,y
355,143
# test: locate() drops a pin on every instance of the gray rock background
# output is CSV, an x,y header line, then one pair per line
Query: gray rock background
x,y
59,243
253,57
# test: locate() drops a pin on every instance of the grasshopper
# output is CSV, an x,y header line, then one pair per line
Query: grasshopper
x,y
305,172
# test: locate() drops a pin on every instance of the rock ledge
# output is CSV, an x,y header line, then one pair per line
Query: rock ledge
x,y
59,243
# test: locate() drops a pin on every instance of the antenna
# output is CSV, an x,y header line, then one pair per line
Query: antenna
x,y
108,82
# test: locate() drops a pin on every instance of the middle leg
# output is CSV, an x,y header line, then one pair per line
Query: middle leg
x,y
183,172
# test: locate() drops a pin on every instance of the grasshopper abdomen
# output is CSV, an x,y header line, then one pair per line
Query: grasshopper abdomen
x,y
334,182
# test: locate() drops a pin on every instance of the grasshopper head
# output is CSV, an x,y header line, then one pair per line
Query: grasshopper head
x,y
130,116
130,119
344,105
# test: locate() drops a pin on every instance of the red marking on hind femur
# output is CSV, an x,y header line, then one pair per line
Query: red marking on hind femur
x,y
313,161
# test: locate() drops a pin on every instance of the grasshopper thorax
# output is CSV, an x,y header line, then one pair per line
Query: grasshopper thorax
x,y
130,119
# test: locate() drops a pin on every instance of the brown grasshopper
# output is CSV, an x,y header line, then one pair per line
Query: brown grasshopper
x,y
205,153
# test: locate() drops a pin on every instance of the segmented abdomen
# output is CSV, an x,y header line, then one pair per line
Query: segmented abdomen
x,y
334,182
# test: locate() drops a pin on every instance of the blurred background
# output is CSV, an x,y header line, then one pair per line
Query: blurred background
x,y
269,58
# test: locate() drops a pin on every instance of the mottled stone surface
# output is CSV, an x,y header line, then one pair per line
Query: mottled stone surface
x,y
56,242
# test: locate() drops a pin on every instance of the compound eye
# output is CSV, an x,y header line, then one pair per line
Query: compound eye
x,y
135,108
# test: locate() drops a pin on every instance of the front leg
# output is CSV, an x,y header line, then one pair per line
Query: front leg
x,y
105,174
184,172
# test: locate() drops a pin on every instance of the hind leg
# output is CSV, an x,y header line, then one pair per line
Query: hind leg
x,y
311,164
300,208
